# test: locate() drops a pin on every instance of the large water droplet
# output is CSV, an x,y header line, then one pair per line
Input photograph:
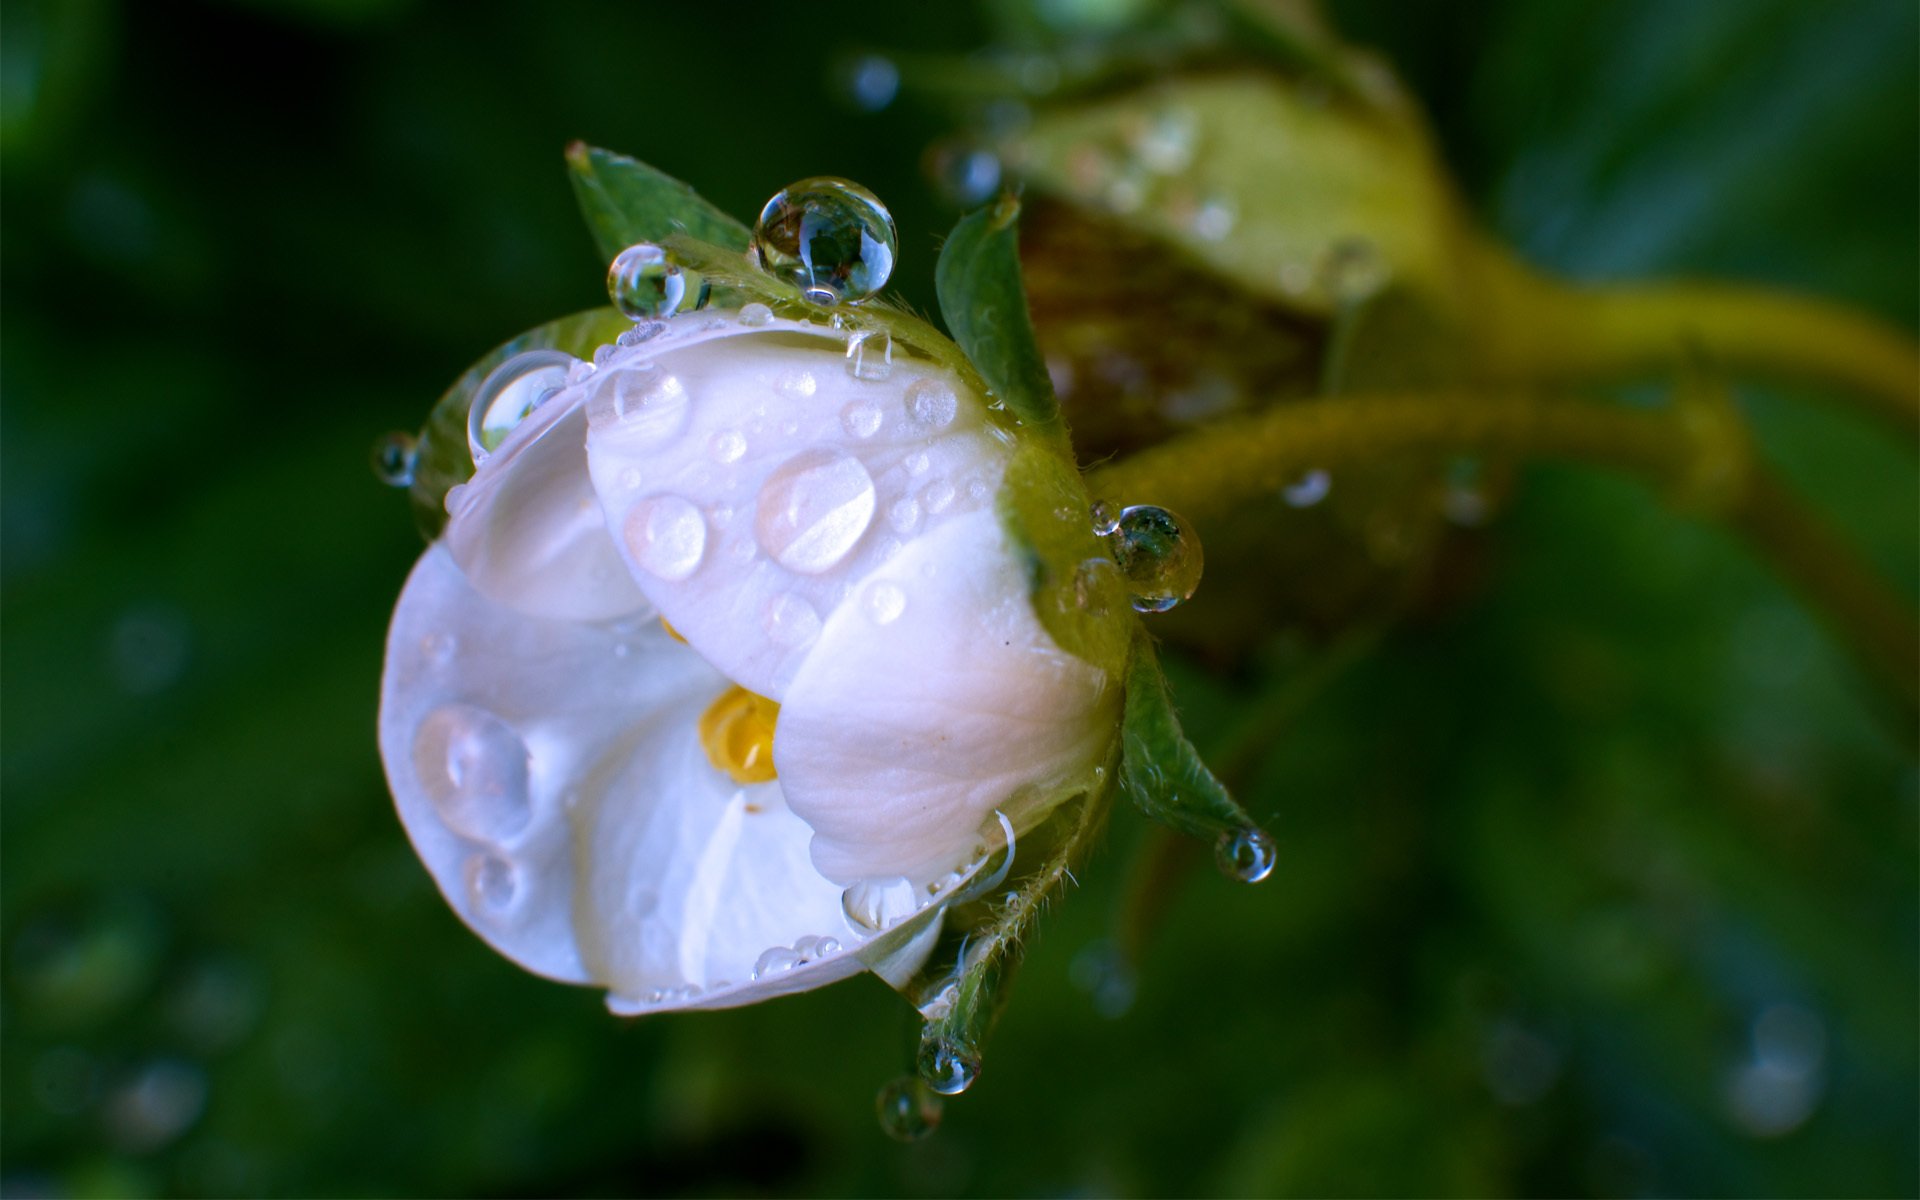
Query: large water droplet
x,y
667,536
870,355
514,389
947,1067
877,904
1158,554
932,402
646,284
644,403
395,457
908,1109
813,509
1246,854
473,767
831,238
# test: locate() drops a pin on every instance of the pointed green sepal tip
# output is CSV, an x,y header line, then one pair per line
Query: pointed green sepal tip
x,y
626,201
1163,775
985,306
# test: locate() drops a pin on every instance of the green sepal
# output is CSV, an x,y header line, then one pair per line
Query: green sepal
x,y
443,457
1160,771
626,201
985,306
1076,591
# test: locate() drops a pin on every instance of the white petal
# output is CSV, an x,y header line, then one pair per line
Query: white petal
x,y
528,530
750,480
550,777
934,699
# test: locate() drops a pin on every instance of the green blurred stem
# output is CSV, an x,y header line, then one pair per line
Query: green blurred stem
x,y
1698,462
1553,334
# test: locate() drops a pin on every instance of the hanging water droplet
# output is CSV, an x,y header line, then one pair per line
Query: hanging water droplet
x,y
813,509
908,1109
667,536
474,770
776,959
395,457
862,418
514,389
1353,270
879,904
1308,490
947,1067
1158,554
932,402
870,355
646,284
831,238
1246,854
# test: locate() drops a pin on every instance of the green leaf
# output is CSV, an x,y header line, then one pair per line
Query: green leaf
x,y
444,458
626,201
985,306
1160,771
1075,589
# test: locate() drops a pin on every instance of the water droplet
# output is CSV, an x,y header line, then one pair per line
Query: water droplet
x,y
947,1068
394,458
908,1109
1308,490
918,462
1156,551
872,82
862,418
791,621
646,284
640,331
878,904
727,446
932,402
493,883
776,959
1353,270
755,315
438,648
795,385
831,238
870,354
1245,854
813,509
937,496
473,767
514,389
667,536
644,403
579,371
903,514
1096,585
885,602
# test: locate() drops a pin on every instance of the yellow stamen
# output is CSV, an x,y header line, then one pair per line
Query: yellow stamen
x,y
672,632
737,732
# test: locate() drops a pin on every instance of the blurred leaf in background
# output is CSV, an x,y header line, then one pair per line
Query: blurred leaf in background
x,y
1602,881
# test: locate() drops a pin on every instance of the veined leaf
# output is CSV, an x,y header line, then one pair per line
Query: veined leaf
x,y
1160,771
626,201
985,305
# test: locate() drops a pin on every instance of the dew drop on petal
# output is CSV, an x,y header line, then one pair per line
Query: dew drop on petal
x,y
885,602
473,767
947,1067
790,621
908,1109
1246,854
505,397
938,496
862,418
878,904
775,960
667,536
932,402
870,355
755,315
1308,490
646,284
727,445
395,457
813,509
493,884
1158,553
831,238
795,385
903,514
641,402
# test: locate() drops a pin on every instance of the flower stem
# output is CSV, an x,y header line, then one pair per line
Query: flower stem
x,y
1210,471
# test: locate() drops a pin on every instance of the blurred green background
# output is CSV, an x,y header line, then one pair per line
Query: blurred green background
x,y
1604,883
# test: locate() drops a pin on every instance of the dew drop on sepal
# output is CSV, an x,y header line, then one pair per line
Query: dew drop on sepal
x,y
831,238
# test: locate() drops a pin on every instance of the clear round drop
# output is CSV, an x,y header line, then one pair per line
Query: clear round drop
x,y
1158,553
932,403
474,770
395,457
831,238
506,397
947,1067
667,536
1245,854
813,509
879,904
646,284
908,1109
